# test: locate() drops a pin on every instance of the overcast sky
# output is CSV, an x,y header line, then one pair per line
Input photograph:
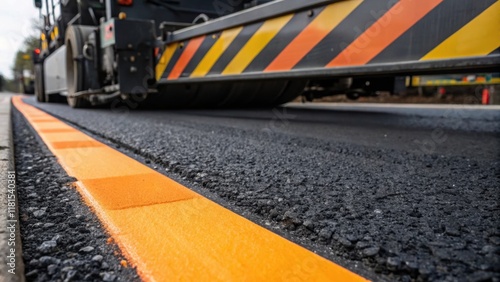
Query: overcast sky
x,y
15,25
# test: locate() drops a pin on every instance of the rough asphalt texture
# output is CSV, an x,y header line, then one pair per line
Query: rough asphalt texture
x,y
62,239
406,197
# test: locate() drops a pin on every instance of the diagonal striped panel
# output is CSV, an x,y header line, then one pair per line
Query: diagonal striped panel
x,y
323,24
186,56
258,41
220,46
165,59
439,24
383,32
234,48
202,51
298,23
346,32
479,37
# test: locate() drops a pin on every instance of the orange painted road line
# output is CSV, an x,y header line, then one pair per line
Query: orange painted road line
x,y
166,230
401,17
187,55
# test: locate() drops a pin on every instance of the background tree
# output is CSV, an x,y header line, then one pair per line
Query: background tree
x,y
23,62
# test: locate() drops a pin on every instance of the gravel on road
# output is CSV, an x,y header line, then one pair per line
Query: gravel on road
x,y
62,238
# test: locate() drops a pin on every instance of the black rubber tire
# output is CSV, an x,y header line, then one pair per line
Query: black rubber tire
x,y
238,94
54,98
75,70
39,83
293,90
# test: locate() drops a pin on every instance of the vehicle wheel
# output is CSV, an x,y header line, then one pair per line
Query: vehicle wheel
x,y
75,70
293,90
54,98
39,84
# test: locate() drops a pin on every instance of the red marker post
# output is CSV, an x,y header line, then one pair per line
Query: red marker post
x,y
486,96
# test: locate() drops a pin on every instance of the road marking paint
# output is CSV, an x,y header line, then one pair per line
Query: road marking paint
x,y
166,230
44,120
52,126
66,136
136,190
98,162
75,144
53,130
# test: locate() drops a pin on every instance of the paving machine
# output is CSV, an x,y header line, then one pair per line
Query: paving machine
x,y
242,53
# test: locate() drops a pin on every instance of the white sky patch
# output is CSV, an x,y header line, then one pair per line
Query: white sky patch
x,y
15,25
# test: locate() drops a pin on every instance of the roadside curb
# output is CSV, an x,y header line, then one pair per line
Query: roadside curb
x,y
9,218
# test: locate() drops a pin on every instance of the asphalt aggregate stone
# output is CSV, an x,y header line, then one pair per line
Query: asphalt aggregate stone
x,y
407,198
51,227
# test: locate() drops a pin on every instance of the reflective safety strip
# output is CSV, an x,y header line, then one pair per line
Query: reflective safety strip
x,y
479,37
258,41
322,25
383,32
186,56
167,231
165,59
342,34
223,42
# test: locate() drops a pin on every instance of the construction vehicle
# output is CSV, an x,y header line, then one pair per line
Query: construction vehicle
x,y
470,85
239,53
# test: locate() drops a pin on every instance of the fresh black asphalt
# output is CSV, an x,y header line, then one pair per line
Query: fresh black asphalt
x,y
393,196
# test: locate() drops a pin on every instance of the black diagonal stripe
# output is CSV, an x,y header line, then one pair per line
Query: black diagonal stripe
x,y
246,33
346,32
293,28
174,59
205,46
495,52
439,24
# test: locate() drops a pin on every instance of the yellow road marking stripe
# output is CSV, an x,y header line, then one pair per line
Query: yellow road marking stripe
x,y
165,59
479,37
256,43
169,232
220,46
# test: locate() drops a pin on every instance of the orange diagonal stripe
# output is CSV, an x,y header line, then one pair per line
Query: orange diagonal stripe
x,y
318,29
186,56
383,32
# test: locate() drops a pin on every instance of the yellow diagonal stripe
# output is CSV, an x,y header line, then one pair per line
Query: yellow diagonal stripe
x,y
258,41
479,37
309,37
165,59
216,51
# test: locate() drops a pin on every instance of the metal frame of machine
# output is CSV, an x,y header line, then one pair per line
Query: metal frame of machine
x,y
264,55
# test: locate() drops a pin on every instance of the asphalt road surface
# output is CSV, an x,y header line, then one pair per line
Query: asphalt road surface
x,y
393,193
